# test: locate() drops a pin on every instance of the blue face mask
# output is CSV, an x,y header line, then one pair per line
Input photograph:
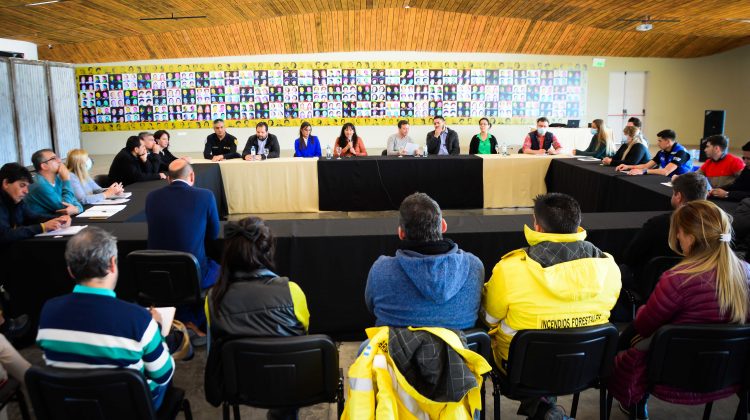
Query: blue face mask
x,y
594,131
542,131
89,164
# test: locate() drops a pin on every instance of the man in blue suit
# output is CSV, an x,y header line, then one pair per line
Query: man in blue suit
x,y
182,218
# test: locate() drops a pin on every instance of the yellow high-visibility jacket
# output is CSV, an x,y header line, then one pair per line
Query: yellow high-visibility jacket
x,y
523,295
377,390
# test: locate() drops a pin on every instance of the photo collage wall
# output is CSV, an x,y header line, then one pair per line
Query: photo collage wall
x,y
331,93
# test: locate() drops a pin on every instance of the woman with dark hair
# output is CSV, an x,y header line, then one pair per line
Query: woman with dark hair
x,y
483,143
306,145
250,300
348,143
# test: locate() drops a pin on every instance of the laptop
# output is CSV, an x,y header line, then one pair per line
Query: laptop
x,y
573,123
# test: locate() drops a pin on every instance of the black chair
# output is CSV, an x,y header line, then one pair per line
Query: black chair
x,y
558,362
93,394
11,392
558,125
102,180
281,372
478,341
384,152
717,355
652,271
165,278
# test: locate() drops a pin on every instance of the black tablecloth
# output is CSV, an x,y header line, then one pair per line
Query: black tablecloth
x,y
310,253
381,183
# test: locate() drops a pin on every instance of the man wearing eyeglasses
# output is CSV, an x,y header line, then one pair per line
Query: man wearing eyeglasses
x,y
51,193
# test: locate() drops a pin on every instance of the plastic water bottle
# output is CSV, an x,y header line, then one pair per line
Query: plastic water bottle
x,y
424,151
504,149
252,151
328,152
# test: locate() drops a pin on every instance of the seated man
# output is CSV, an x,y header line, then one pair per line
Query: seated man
x,y
132,164
740,188
443,140
220,145
721,168
153,149
182,218
636,122
91,328
672,159
51,194
430,281
16,220
541,140
261,140
559,281
653,238
396,144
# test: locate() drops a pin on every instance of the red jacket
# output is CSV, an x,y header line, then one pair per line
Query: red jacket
x,y
676,300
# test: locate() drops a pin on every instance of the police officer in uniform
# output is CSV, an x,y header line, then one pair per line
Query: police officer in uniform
x,y
220,145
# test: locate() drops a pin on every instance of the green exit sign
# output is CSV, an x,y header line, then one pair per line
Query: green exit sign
x,y
599,62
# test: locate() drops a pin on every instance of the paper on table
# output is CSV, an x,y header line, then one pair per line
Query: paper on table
x,y
588,159
410,148
123,195
112,201
167,316
668,184
102,211
68,231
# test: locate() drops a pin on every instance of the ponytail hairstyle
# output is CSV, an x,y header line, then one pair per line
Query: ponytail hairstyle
x,y
711,230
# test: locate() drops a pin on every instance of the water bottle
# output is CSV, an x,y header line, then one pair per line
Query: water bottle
x,y
252,151
504,149
424,151
328,152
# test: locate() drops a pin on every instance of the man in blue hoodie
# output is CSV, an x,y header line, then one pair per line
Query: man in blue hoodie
x,y
430,281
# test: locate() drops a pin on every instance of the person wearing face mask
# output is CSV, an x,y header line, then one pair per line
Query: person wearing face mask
x,y
601,145
86,190
132,165
349,142
541,140
633,152
261,140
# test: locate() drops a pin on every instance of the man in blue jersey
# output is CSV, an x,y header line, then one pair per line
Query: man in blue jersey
x,y
91,328
672,159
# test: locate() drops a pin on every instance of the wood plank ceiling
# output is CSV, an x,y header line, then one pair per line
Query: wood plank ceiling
x,y
88,31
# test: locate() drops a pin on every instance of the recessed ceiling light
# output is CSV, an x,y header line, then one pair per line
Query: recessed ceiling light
x,y
43,2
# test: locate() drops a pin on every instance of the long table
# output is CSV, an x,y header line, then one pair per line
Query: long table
x,y
308,253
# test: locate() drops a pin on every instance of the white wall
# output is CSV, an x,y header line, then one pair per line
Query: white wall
x,y
27,48
678,91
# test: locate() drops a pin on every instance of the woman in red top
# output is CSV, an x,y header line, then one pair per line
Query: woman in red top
x,y
710,285
349,142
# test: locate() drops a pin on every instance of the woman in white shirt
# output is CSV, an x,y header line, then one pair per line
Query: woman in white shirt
x,y
85,189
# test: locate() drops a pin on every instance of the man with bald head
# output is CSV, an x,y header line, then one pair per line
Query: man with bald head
x,y
182,217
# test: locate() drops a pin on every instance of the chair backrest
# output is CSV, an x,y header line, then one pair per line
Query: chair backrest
x,y
384,152
478,341
280,371
563,361
165,278
654,269
102,180
558,125
699,357
91,394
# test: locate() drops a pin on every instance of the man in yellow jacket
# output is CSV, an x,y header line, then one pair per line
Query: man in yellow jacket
x,y
559,281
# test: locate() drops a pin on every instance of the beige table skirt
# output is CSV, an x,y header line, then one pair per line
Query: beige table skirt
x,y
283,185
513,181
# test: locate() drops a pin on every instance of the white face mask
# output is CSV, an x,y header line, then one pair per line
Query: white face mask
x,y
89,164
542,131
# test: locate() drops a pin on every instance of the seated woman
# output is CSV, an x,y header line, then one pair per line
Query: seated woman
x,y
634,152
709,286
306,145
601,145
348,143
250,300
85,189
483,143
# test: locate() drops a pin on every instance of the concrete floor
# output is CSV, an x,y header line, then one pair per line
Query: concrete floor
x,y
189,376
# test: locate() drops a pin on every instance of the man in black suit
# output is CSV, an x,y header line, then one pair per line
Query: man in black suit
x,y
261,140
442,141
133,164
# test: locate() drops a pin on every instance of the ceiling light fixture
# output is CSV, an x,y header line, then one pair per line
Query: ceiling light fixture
x,y
644,27
43,3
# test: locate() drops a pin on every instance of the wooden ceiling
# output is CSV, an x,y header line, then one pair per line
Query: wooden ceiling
x,y
88,31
